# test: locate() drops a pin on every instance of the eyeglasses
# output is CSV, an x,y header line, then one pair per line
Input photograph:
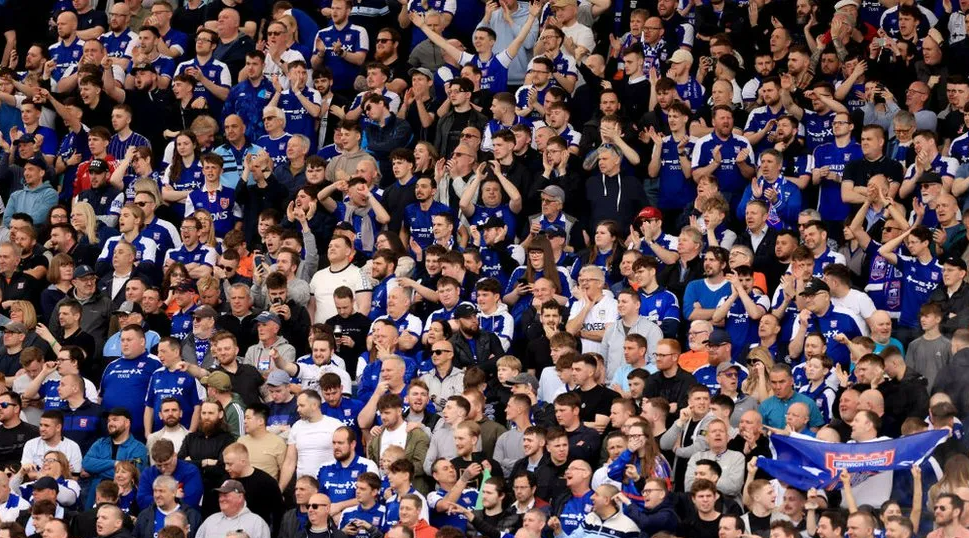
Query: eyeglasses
x,y
470,135
226,267
119,15
65,360
4,405
840,122
462,154
51,460
729,374
440,351
202,40
315,506
662,355
385,40
940,508
274,33
549,200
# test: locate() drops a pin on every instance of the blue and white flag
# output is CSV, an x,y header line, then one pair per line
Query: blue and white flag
x,y
807,463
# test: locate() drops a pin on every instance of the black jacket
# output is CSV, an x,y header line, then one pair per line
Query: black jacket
x,y
670,279
955,309
764,254
905,398
545,476
145,524
488,347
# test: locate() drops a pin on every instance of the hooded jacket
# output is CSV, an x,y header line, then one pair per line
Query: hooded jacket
x,y
36,202
617,198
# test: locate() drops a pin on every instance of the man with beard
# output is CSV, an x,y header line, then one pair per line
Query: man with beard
x,y
472,347
339,478
204,447
264,497
119,445
243,378
762,122
702,296
172,429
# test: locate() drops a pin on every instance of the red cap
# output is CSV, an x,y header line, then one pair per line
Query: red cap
x,y
649,213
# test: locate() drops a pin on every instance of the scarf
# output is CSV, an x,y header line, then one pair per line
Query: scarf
x,y
365,229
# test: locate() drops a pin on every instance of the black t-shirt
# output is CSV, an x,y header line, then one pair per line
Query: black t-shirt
x,y
246,382
595,401
245,12
697,528
91,19
82,340
356,327
12,441
859,171
759,525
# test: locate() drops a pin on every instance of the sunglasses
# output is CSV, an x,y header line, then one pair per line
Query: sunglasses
x,y
4,405
315,506
385,40
440,351
274,33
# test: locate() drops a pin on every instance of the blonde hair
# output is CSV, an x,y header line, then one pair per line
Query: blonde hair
x,y
510,362
149,187
91,221
209,239
28,310
206,283
762,354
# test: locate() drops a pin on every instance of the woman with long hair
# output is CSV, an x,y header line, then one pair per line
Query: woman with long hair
x,y
641,460
955,475
757,384
60,275
185,172
539,262
90,231
606,251
425,156
207,230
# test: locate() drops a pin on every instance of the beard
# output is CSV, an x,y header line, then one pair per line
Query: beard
x,y
209,427
171,421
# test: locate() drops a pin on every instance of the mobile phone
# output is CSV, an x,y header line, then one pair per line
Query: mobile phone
x,y
523,281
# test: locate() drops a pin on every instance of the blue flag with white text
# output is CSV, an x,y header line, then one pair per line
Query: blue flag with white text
x,y
806,463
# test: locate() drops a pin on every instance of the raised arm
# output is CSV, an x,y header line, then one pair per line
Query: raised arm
x,y
534,8
418,20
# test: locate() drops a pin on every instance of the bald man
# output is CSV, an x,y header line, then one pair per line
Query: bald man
x,y
573,507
